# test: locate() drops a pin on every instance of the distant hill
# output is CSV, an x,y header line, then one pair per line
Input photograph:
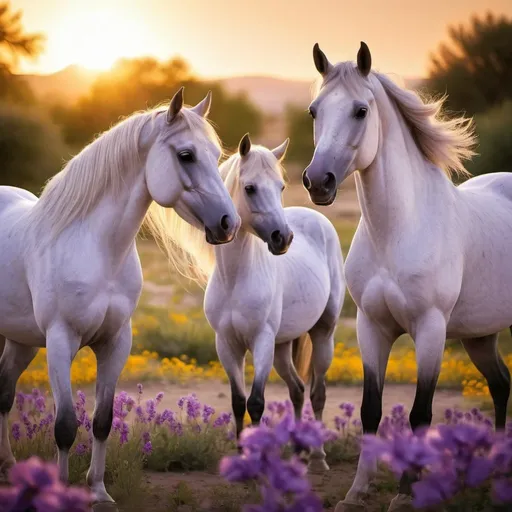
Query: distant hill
x,y
270,94
65,86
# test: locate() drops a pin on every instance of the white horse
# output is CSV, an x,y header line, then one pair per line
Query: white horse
x,y
70,275
264,291
428,258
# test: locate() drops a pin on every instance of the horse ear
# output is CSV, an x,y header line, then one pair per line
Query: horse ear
x,y
203,107
364,59
245,145
322,64
175,105
280,151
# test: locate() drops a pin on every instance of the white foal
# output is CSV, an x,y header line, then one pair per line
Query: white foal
x,y
428,258
265,291
70,275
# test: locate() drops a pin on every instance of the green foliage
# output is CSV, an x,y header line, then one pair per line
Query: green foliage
x,y
475,67
14,42
300,130
31,148
136,84
191,451
494,130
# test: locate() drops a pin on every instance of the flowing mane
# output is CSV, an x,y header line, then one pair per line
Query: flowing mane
x,y
196,252
99,169
443,141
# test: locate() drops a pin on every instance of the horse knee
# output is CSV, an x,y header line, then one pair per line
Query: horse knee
x,y
102,422
256,406
66,427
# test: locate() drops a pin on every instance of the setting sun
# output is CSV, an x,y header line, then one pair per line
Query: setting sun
x,y
96,38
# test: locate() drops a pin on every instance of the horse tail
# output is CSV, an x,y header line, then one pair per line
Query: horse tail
x,y
302,350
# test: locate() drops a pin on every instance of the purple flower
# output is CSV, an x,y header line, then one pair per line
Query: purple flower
x,y
147,448
81,449
123,438
81,398
16,431
40,404
240,468
308,434
159,397
347,408
222,420
434,488
340,423
151,409
139,388
140,414
20,401
146,437
287,476
208,412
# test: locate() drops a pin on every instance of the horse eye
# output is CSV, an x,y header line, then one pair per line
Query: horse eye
x,y
361,112
186,156
250,189
312,112
282,188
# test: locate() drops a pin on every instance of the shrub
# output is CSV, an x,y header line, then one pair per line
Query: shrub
x,y
31,148
494,130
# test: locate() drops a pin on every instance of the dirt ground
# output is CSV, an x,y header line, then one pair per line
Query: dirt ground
x,y
331,486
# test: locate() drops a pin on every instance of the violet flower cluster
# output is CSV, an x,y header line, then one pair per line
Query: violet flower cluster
x,y
462,453
35,485
283,482
191,416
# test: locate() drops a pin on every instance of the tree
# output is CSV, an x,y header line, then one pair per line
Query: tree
x,y
31,148
299,127
475,67
15,43
135,84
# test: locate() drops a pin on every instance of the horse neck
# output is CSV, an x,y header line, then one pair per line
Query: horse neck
x,y
237,260
117,218
400,183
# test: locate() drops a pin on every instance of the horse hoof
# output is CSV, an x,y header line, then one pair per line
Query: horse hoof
x,y
317,466
401,503
345,506
105,506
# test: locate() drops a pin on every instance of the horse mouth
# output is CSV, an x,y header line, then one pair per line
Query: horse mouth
x,y
325,199
215,240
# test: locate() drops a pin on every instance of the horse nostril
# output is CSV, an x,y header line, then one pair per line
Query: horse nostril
x,y
276,236
305,180
329,181
224,222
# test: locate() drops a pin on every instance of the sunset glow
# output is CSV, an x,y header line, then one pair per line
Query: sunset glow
x,y
221,38
95,39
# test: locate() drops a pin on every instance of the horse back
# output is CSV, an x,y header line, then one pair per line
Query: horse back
x,y
13,196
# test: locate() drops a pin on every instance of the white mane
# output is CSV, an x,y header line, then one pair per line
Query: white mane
x,y
99,169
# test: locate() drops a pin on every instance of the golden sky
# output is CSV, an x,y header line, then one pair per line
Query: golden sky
x,y
239,37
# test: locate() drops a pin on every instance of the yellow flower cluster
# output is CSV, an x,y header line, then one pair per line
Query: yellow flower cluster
x,y
457,371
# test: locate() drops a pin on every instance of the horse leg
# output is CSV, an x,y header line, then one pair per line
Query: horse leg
x,y
13,362
263,358
486,357
111,357
429,339
232,358
322,339
62,344
375,342
285,369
